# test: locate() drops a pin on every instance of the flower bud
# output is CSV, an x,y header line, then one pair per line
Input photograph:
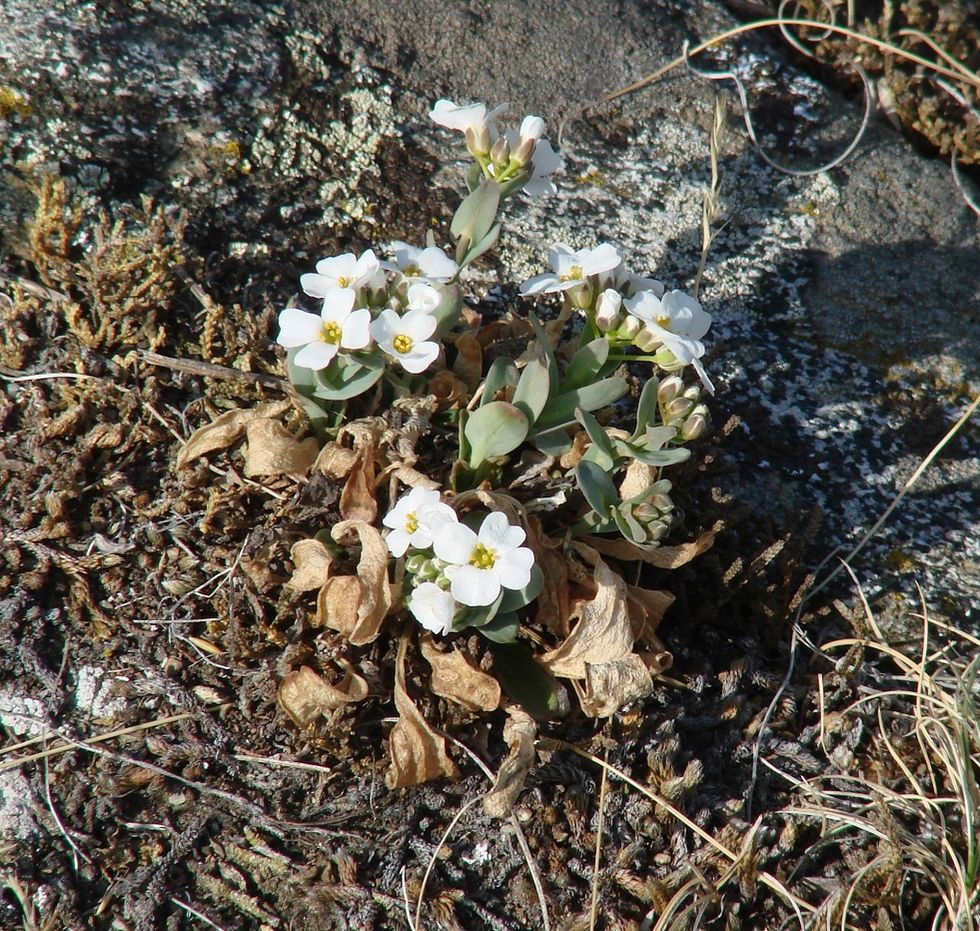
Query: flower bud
x,y
607,310
696,424
478,140
415,563
631,327
669,389
646,341
678,409
500,153
522,154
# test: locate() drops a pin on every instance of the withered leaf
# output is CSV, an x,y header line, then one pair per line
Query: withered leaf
x,y
603,632
375,597
663,557
456,678
411,478
226,430
647,608
312,565
519,732
638,478
337,604
357,500
448,390
335,461
418,754
469,360
306,696
272,450
609,686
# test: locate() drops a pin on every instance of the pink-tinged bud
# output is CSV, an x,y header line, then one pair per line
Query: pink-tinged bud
x,y
631,327
607,310
500,153
477,140
524,152
669,389
646,341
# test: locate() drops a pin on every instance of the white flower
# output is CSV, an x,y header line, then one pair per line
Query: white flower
x,y
473,117
572,268
433,608
429,264
413,520
406,339
480,564
678,321
346,272
338,326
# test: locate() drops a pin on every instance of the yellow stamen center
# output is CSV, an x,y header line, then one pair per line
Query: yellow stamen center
x,y
344,282
573,274
411,522
402,343
331,333
664,321
411,271
483,558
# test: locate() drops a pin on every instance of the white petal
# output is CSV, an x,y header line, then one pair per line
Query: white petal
x,y
433,608
538,284
384,328
366,265
532,127
455,543
601,259
418,325
337,304
356,332
448,114
398,541
514,568
435,264
703,375
539,187
645,305
434,516
316,355
404,253
316,285
420,358
497,534
475,587
297,328
338,266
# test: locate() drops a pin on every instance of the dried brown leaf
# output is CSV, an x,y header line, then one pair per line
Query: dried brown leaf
x,y
418,754
375,599
272,450
554,602
448,390
580,443
226,430
663,557
647,608
519,732
337,604
456,678
357,500
412,478
638,478
335,461
311,561
306,696
469,360
603,633
609,686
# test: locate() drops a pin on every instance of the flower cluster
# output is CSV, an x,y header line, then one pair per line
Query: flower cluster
x,y
370,306
450,567
515,158
628,309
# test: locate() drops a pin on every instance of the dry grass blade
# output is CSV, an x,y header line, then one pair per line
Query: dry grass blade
x,y
920,819
594,904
